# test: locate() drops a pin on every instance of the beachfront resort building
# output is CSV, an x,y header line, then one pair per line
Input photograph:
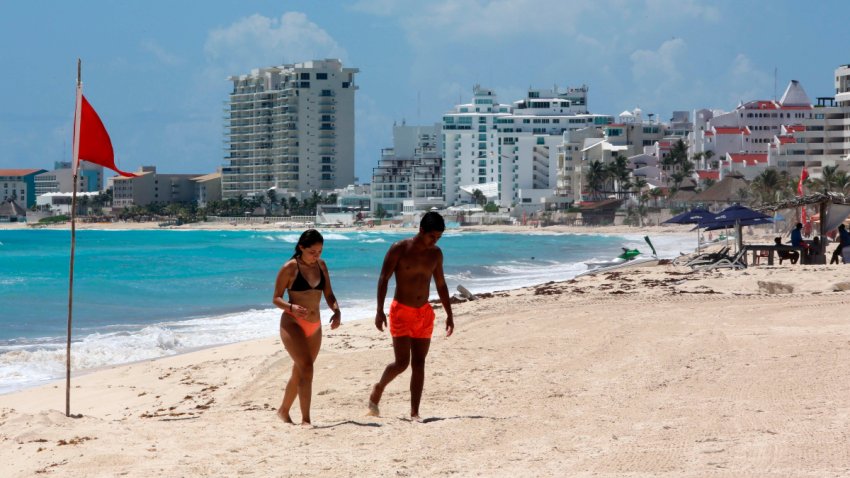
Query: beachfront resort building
x,y
786,134
148,187
19,185
61,179
207,188
290,127
511,152
644,141
410,171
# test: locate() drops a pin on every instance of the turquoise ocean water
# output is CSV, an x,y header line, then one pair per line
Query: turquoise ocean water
x,y
147,294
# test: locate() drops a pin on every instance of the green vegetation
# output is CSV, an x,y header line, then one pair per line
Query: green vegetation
x,y
53,219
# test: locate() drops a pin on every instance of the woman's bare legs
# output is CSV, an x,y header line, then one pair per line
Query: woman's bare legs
x,y
303,351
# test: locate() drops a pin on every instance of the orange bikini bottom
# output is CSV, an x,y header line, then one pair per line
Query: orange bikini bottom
x,y
308,327
413,322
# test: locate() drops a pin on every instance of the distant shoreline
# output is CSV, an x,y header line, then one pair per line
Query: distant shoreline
x,y
224,226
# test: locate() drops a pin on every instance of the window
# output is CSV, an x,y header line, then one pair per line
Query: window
x,y
321,76
305,76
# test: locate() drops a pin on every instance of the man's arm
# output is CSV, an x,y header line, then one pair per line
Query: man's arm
x,y
387,270
443,292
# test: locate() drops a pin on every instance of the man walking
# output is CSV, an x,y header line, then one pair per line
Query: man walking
x,y
413,261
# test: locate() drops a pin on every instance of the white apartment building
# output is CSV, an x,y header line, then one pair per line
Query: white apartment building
x,y
410,171
511,153
786,134
290,127
60,202
61,179
630,136
570,161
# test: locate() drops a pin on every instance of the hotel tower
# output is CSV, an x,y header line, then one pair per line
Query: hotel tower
x,y
291,128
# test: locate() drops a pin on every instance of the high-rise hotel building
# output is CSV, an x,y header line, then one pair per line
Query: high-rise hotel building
x,y
290,127
510,152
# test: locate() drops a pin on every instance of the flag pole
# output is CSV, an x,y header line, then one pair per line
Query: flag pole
x,y
74,166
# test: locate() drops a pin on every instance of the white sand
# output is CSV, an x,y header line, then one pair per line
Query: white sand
x,y
644,373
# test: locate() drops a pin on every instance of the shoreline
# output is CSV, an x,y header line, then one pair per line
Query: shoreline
x,y
224,226
646,372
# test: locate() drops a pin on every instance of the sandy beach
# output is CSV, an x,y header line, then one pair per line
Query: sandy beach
x,y
647,372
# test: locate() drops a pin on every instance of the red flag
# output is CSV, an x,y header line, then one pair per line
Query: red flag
x,y
803,176
93,144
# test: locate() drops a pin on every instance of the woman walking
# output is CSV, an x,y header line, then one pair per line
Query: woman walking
x,y
305,276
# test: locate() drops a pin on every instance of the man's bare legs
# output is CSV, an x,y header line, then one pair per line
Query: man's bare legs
x,y
407,352
401,349
418,352
303,351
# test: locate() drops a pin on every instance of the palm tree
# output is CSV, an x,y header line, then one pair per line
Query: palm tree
x,y
829,179
83,205
677,178
767,186
708,155
618,172
842,181
638,185
655,194
697,158
380,212
271,197
596,176
478,197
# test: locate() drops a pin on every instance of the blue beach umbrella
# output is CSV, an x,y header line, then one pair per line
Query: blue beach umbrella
x,y
736,216
738,213
694,216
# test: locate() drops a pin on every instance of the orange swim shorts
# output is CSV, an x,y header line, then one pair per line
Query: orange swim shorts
x,y
413,322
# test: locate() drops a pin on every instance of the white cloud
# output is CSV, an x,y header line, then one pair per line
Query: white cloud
x,y
746,82
684,8
160,53
377,7
659,65
258,41
455,20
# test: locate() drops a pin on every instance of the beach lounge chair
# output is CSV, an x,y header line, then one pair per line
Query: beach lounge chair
x,y
728,262
709,257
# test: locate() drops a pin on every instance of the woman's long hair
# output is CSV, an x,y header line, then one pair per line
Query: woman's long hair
x,y
307,239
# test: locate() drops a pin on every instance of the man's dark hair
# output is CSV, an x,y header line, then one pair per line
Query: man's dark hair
x,y
432,221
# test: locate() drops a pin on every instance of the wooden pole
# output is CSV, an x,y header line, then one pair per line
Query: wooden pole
x,y
74,165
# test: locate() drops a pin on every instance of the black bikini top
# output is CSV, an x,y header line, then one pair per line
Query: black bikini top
x,y
300,283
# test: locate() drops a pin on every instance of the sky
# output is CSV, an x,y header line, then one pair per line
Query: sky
x,y
156,71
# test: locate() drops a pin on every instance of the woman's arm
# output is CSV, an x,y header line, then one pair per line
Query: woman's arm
x,y
284,280
330,298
